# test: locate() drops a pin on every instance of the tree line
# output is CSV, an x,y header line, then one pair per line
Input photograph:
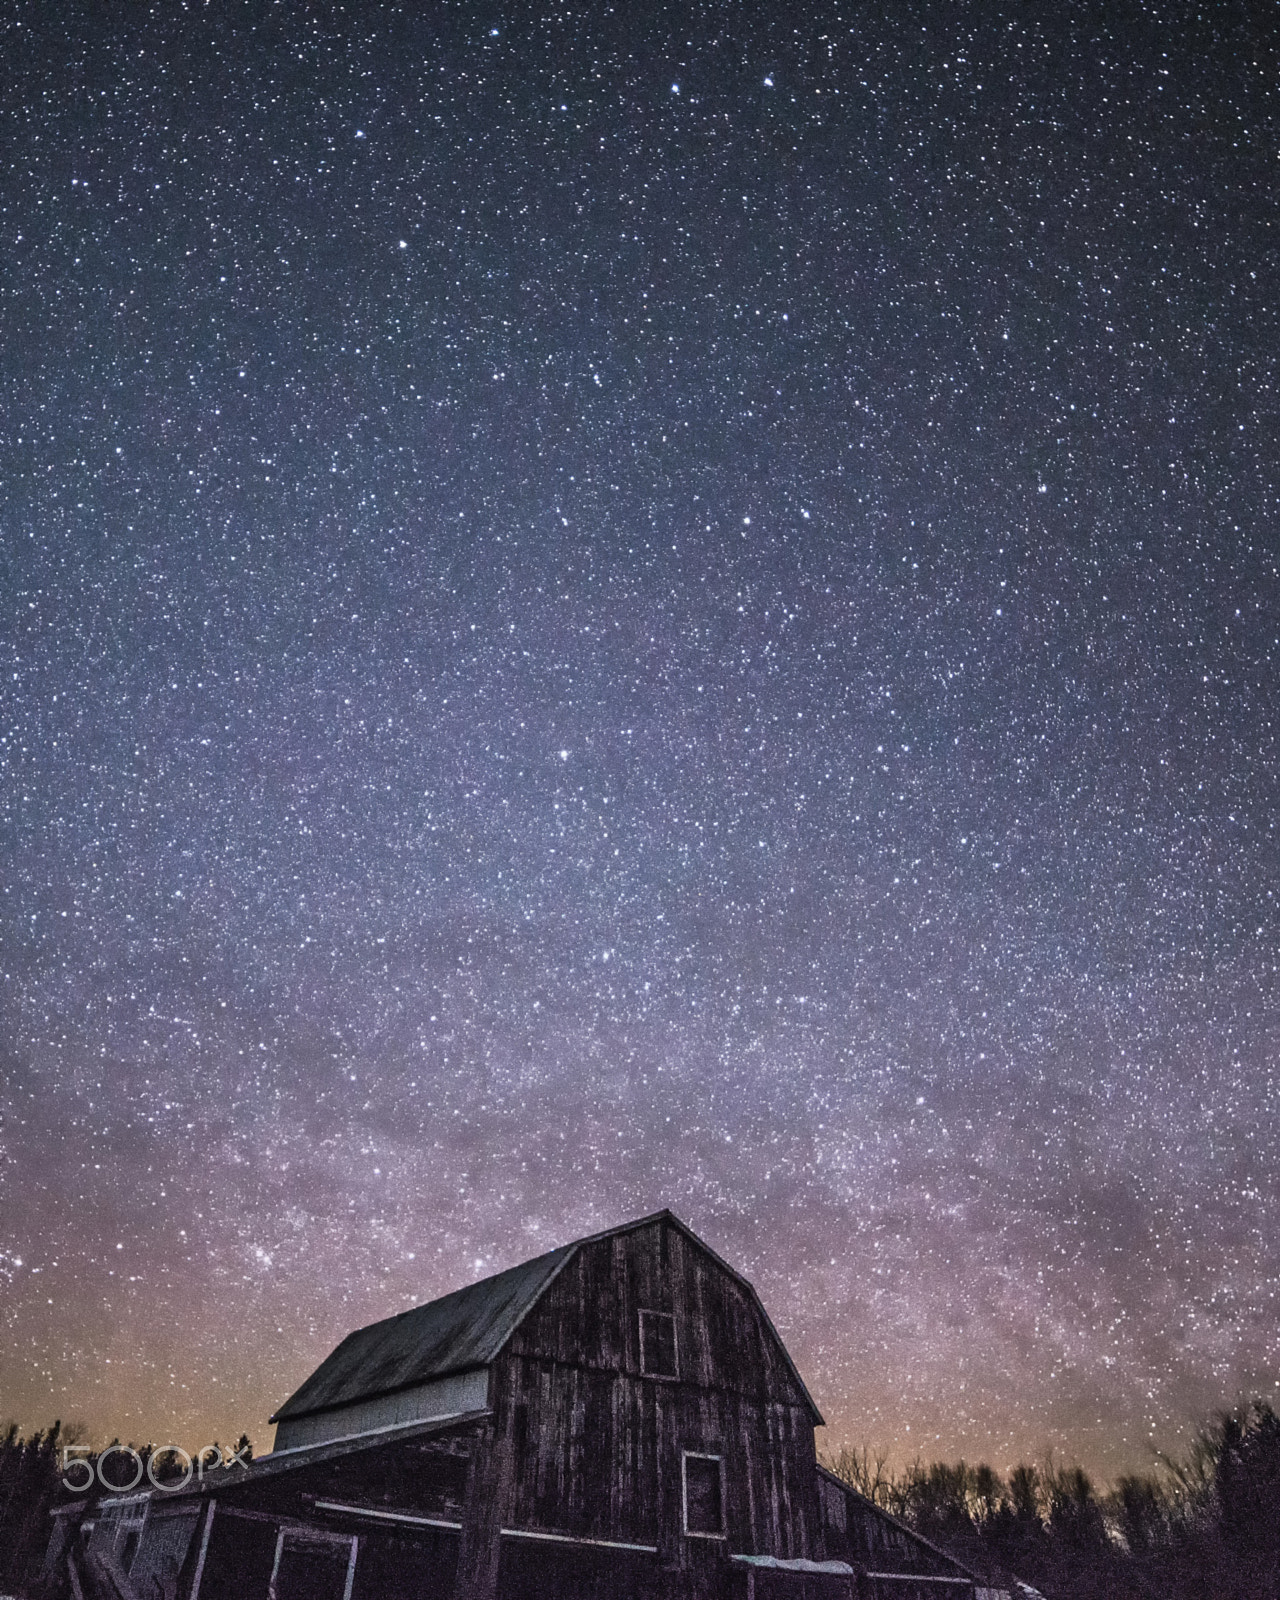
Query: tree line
x,y
1205,1526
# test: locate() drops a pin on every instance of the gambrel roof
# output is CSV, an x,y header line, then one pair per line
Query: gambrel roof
x,y
461,1330
467,1329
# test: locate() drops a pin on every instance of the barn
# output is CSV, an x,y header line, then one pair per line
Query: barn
x,y
615,1420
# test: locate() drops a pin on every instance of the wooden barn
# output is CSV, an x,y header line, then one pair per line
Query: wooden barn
x,y
615,1420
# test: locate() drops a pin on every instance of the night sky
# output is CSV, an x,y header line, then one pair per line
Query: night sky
x,y
620,606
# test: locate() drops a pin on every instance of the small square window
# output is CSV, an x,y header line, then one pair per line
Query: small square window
x,y
703,1496
658,1344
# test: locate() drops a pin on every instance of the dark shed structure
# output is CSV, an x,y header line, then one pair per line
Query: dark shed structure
x,y
615,1420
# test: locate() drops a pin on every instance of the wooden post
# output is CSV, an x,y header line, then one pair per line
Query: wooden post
x,y
204,1549
488,1490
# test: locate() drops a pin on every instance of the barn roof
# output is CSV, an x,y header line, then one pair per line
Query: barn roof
x,y
466,1329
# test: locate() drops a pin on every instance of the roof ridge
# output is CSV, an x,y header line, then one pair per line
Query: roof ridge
x,y
667,1215
471,1325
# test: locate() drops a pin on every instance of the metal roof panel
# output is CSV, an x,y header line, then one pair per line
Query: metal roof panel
x,y
464,1329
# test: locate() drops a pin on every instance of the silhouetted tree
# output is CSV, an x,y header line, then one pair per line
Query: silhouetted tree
x,y
1204,1527
1140,1507
865,1472
29,1472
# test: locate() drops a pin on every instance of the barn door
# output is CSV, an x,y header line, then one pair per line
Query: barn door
x,y
311,1565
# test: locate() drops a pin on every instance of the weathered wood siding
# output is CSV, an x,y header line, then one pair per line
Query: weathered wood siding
x,y
555,1572
596,1445
403,1566
859,1532
589,1317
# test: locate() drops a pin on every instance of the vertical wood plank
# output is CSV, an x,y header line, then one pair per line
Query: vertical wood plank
x,y
480,1548
204,1549
598,1444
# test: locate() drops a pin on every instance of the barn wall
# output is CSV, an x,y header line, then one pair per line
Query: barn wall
x,y
598,1454
530,1571
392,1565
589,1316
596,1445
164,1549
857,1531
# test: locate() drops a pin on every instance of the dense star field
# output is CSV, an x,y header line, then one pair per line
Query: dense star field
x,y
610,607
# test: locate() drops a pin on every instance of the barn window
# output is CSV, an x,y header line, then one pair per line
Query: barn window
x,y
658,1344
313,1564
703,1495
128,1532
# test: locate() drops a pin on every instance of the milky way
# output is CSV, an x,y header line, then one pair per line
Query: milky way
x,y
609,608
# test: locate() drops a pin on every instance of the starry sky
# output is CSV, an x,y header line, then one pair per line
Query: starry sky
x,y
620,606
